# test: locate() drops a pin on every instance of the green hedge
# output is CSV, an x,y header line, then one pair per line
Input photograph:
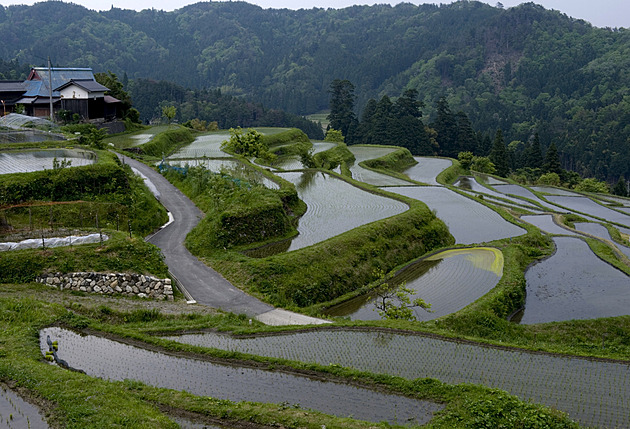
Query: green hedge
x,y
64,184
167,142
336,156
294,135
399,160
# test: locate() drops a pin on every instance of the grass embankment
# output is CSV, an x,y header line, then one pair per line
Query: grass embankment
x,y
73,399
167,142
392,164
338,156
112,190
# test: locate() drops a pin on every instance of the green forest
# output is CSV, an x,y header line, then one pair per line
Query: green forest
x,y
524,70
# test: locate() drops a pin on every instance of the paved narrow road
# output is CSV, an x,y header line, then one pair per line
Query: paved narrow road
x,y
204,284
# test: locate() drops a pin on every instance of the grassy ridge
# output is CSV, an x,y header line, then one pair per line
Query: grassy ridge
x,y
293,135
167,142
333,157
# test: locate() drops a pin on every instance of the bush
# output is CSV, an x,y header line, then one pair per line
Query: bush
x,y
167,142
551,179
592,185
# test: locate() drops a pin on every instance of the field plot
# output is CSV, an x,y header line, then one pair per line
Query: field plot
x,y
554,191
36,160
208,145
230,166
16,413
335,207
468,221
601,231
103,358
546,224
471,184
594,393
586,205
523,192
449,281
427,169
294,163
574,284
364,153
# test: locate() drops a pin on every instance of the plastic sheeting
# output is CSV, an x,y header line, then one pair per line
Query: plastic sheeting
x,y
36,243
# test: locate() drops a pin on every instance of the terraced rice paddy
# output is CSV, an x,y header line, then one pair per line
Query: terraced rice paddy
x,y
16,413
364,153
546,224
596,393
524,193
601,231
36,160
586,205
294,163
472,185
449,281
574,284
468,221
208,145
103,358
427,169
554,191
335,207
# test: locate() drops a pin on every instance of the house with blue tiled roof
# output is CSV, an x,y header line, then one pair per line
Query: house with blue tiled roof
x,y
71,89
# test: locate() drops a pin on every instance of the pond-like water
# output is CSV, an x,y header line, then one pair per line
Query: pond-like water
x,y
28,136
103,358
449,281
574,284
586,205
364,153
546,224
595,393
467,220
16,413
427,169
35,160
335,207
208,145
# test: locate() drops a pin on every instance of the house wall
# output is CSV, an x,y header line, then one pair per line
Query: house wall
x,y
74,91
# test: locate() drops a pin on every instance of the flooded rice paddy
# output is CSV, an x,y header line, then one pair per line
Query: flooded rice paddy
x,y
294,163
107,359
36,160
585,205
594,393
448,280
467,220
364,153
208,145
334,207
230,166
553,191
601,231
574,284
16,413
427,169
546,224
471,184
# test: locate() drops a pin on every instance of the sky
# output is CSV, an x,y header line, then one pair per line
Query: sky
x,y
601,13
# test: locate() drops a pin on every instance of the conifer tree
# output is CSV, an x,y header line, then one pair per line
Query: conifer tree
x,y
552,161
498,155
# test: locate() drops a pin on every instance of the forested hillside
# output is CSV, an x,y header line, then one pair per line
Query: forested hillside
x,y
523,69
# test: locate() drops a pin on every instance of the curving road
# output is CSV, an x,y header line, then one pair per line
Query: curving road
x,y
200,282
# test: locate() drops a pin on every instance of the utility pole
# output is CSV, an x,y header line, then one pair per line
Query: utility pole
x,y
50,84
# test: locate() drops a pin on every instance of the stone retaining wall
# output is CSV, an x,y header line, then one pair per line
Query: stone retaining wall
x,y
112,284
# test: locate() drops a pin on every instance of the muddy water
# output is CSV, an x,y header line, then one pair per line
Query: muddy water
x,y
103,358
36,160
594,393
448,281
574,284
16,413
467,220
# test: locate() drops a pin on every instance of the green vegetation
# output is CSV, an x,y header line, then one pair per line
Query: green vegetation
x,y
167,142
338,156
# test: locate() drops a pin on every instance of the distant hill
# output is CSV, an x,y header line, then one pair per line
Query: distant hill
x,y
523,69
